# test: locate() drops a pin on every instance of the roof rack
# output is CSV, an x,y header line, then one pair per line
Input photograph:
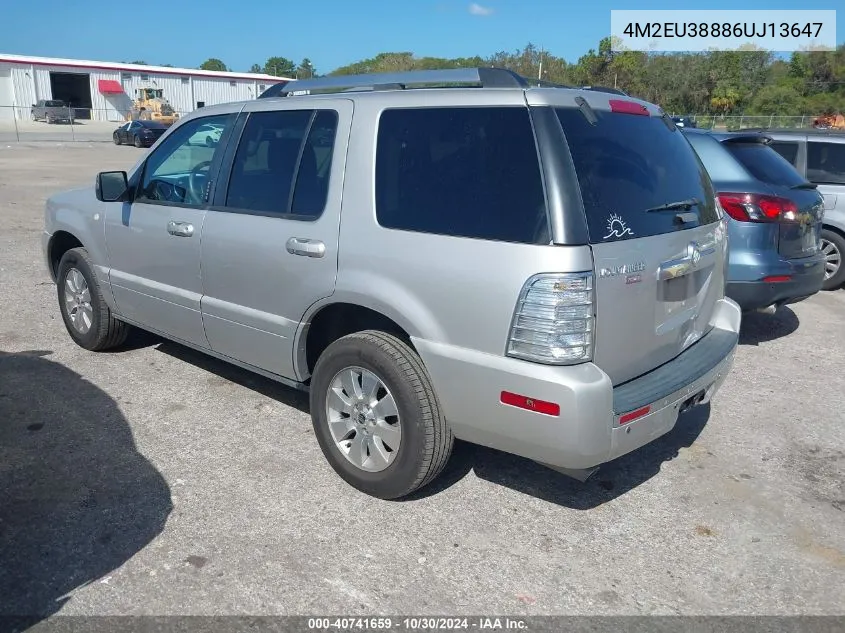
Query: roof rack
x,y
796,130
487,77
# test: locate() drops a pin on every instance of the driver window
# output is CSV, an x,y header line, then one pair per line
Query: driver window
x,y
177,172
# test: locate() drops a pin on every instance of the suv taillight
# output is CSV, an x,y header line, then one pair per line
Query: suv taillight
x,y
752,207
554,320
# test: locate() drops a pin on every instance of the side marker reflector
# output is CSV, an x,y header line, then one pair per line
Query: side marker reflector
x,y
633,415
530,404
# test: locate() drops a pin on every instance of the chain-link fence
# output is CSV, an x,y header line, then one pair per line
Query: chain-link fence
x,y
744,122
28,124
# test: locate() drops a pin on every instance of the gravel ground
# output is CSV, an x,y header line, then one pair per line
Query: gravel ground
x,y
153,480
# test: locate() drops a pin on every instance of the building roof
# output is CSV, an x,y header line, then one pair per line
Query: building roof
x,y
139,68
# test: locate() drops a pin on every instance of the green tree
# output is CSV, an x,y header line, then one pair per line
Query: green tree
x,y
715,82
306,69
774,99
280,67
256,68
213,64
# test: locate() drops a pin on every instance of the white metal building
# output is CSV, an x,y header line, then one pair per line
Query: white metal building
x,y
104,91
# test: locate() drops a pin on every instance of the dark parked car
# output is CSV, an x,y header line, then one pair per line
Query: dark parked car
x,y
51,111
775,219
139,133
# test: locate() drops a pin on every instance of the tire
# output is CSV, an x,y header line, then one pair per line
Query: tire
x,y
138,142
47,118
833,246
425,440
104,332
33,116
116,138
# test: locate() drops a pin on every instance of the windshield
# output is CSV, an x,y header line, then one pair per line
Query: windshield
x,y
627,164
55,104
765,164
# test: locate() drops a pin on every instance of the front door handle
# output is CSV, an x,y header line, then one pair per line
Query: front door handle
x,y
305,247
180,229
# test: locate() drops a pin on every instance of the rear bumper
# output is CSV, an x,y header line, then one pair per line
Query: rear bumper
x,y
806,277
588,431
45,253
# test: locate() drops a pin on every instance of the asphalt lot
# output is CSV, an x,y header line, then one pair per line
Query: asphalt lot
x,y
27,131
153,480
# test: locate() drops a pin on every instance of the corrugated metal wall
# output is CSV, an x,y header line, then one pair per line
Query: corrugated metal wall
x,y
42,84
213,91
30,84
23,86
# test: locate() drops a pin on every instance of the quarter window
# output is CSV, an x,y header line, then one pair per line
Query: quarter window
x,y
283,163
826,163
468,172
178,171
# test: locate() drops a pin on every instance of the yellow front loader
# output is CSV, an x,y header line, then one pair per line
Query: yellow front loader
x,y
150,105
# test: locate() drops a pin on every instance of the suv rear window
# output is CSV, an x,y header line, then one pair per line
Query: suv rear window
x,y
765,163
786,149
826,162
627,164
468,172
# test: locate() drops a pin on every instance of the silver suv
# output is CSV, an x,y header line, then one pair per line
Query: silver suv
x,y
536,269
819,156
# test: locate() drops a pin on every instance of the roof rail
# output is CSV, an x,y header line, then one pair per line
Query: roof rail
x,y
487,77
607,89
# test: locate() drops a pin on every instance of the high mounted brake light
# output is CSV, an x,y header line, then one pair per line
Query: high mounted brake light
x,y
627,107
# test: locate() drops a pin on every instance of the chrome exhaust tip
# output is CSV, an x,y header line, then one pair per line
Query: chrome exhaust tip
x,y
768,309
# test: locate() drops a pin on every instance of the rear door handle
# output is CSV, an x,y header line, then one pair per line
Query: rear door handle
x,y
305,247
180,229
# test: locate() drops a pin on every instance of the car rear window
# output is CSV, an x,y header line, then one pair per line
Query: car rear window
x,y
627,164
765,164
466,172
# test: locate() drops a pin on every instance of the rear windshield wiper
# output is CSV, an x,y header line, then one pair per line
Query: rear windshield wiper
x,y
804,185
671,206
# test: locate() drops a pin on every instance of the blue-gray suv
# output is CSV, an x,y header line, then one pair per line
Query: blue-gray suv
x,y
775,219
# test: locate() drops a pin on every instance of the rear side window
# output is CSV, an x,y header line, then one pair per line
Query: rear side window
x,y
765,164
468,172
786,149
283,163
826,163
627,164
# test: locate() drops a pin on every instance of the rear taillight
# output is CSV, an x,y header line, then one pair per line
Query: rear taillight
x,y
554,320
753,207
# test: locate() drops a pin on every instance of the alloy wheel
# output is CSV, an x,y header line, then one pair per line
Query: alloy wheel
x,y
77,298
832,258
363,419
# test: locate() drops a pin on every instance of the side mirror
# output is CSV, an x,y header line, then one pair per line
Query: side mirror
x,y
112,186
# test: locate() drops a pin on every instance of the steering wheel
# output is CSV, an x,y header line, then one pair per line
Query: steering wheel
x,y
195,188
